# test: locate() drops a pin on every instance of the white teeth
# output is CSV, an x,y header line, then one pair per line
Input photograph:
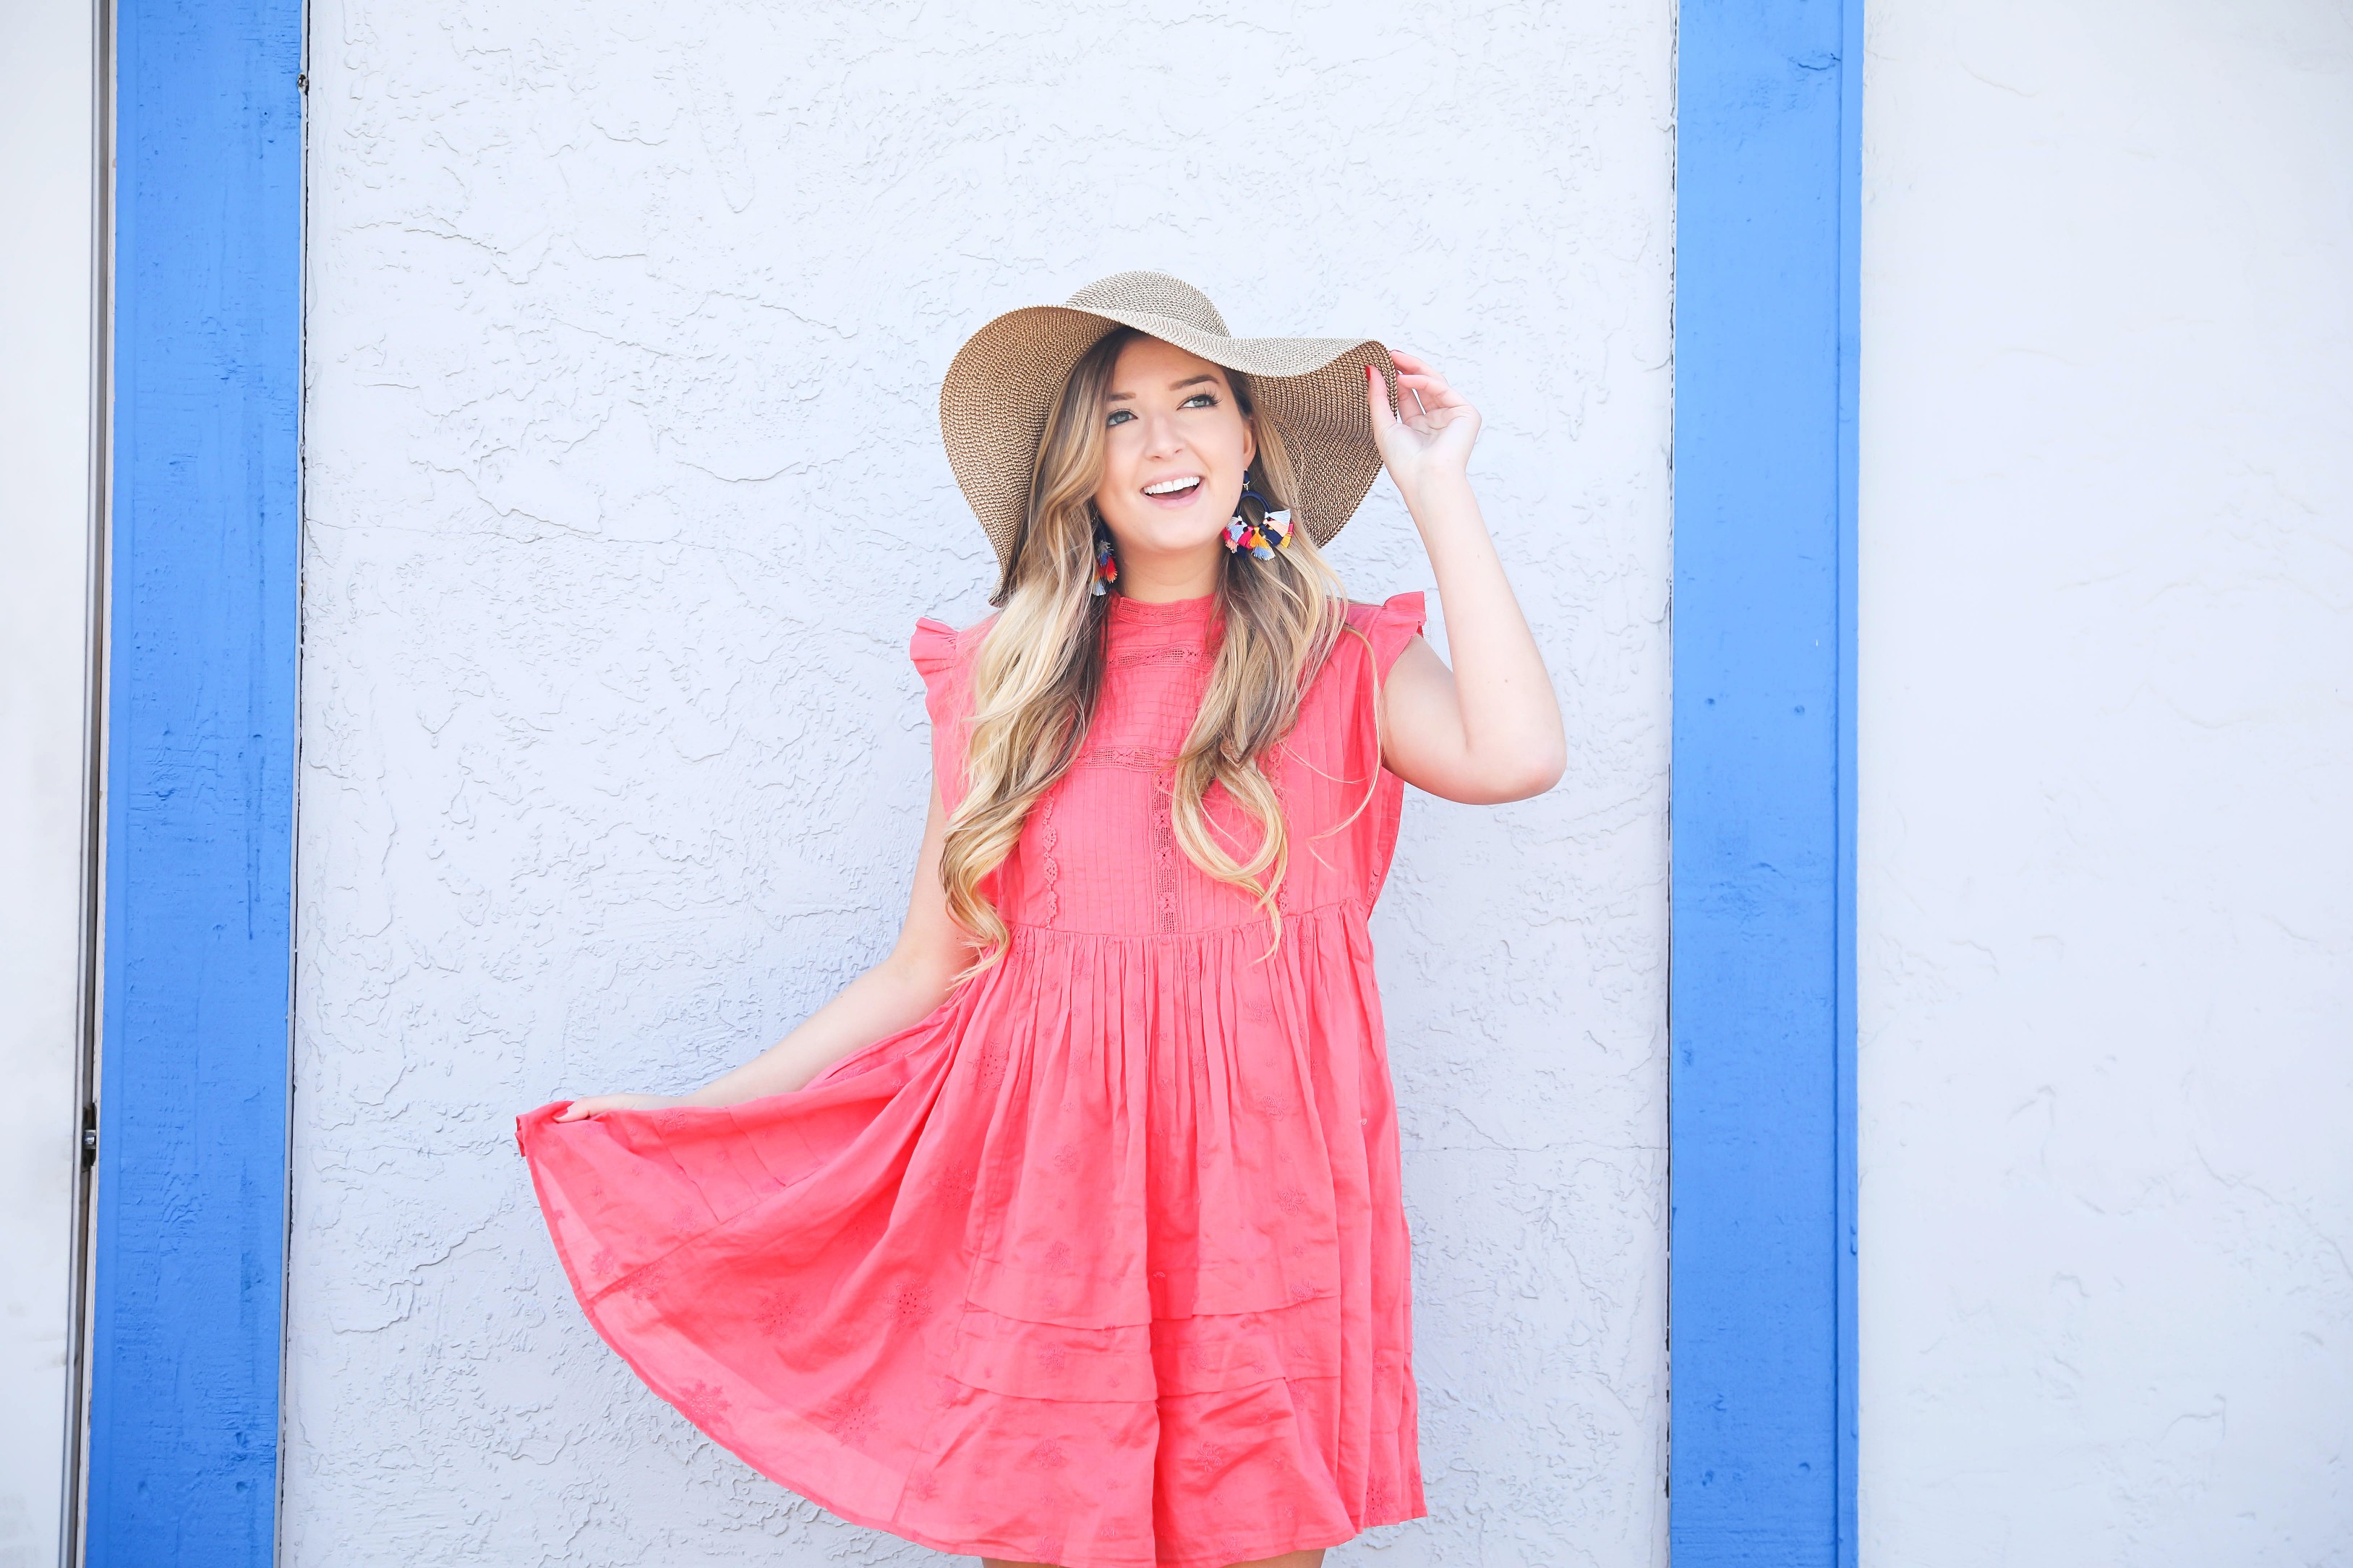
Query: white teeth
x,y
1170,487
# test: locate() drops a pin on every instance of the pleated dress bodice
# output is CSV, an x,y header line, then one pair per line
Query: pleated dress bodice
x,y
1099,852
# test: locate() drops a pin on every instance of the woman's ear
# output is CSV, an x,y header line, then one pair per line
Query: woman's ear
x,y
1249,439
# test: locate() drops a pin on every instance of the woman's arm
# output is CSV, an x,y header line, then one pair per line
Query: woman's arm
x,y
900,991
1489,728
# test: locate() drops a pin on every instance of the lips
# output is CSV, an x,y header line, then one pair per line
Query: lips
x,y
1174,492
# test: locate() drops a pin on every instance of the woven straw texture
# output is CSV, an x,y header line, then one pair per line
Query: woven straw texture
x,y
1003,383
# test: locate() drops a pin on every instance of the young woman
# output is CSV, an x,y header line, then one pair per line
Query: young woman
x,y
1069,1234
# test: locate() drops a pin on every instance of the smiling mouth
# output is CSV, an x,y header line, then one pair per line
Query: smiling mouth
x,y
1182,486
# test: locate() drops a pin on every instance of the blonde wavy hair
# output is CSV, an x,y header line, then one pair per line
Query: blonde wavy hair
x,y
1040,670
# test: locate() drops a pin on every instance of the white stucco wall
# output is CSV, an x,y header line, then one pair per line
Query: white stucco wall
x,y
2106,871
624,490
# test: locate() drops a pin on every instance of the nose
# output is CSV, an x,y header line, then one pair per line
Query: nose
x,y
1162,438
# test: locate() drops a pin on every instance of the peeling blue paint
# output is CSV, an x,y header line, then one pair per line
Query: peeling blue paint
x,y
1767,333
190,1215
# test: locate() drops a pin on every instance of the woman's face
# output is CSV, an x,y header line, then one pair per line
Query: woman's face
x,y
1176,447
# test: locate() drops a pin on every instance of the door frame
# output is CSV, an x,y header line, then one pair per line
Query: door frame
x,y
187,1260
1763,1405
189,1232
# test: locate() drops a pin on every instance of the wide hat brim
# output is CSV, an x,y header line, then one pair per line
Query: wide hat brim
x,y
1004,382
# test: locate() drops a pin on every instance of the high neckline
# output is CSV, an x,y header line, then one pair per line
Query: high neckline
x,y
1165,612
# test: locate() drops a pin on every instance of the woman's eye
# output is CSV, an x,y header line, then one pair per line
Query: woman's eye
x,y
1200,400
1117,416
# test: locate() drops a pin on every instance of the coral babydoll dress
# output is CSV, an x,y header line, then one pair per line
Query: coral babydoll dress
x,y
1103,1263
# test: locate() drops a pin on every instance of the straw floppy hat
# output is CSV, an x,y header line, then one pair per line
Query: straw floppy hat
x,y
1004,382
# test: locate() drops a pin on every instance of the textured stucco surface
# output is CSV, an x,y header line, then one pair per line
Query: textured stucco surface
x,y
626,325
2106,883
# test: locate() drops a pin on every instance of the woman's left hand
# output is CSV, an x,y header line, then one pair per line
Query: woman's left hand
x,y
1430,435
1489,728
579,1110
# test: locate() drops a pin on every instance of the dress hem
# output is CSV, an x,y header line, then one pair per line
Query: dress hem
x,y
1003,1550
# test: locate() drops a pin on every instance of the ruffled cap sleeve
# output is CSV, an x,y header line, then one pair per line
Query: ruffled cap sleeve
x,y
1390,625
933,649
938,652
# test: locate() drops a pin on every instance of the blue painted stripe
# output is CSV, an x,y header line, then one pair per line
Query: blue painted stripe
x,y
1849,1404
188,1280
1768,181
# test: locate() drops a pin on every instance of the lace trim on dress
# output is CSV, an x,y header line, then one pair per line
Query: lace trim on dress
x,y
1051,869
1164,864
1163,653
1141,759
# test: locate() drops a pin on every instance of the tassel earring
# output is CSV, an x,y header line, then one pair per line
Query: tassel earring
x,y
1106,565
1261,539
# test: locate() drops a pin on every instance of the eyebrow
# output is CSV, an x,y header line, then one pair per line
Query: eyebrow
x,y
1172,387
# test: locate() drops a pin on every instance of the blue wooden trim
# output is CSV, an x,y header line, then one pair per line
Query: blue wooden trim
x,y
188,1273
1768,202
1849,1404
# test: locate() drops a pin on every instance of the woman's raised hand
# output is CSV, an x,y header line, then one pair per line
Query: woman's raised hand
x,y
1430,438
1489,728
580,1110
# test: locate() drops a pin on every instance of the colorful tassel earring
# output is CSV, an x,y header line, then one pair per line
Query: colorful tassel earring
x,y
1262,538
1106,565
